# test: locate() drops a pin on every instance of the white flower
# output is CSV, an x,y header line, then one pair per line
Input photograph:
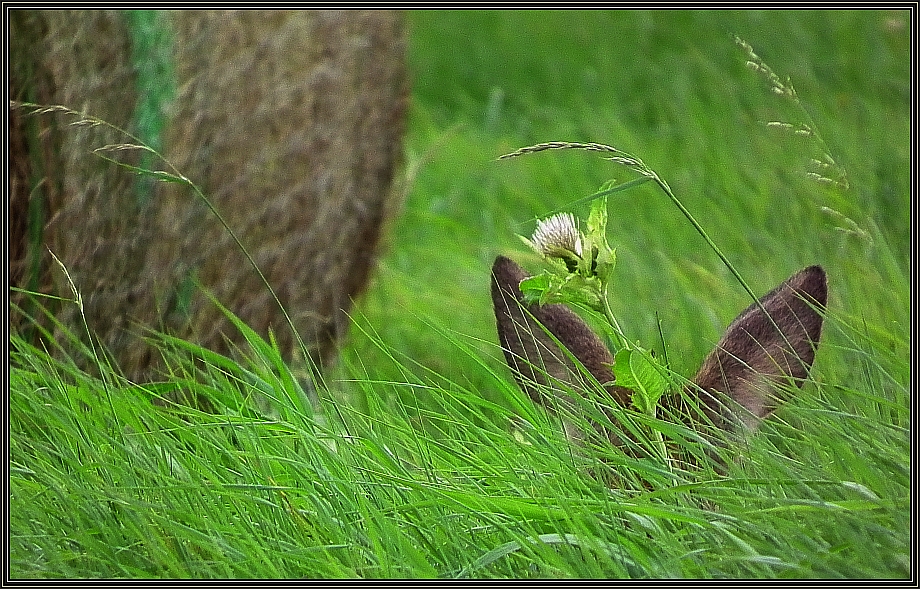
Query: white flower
x,y
558,237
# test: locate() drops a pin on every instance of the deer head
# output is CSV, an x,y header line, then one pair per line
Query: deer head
x,y
770,344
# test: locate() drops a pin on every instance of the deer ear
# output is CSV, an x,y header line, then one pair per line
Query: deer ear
x,y
762,350
534,358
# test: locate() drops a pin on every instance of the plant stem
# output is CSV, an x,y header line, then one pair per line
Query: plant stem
x,y
621,341
696,225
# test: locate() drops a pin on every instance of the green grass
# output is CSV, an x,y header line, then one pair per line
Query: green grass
x,y
423,459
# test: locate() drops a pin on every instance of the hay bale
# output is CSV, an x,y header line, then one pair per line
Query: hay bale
x,y
291,122
91,220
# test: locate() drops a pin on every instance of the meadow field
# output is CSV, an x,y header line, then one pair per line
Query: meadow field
x,y
785,135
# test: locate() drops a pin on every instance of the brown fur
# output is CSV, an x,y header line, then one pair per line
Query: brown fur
x,y
535,359
739,379
755,354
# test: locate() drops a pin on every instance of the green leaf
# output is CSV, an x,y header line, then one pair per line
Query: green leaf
x,y
636,369
535,288
529,244
597,218
599,258
602,193
583,291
